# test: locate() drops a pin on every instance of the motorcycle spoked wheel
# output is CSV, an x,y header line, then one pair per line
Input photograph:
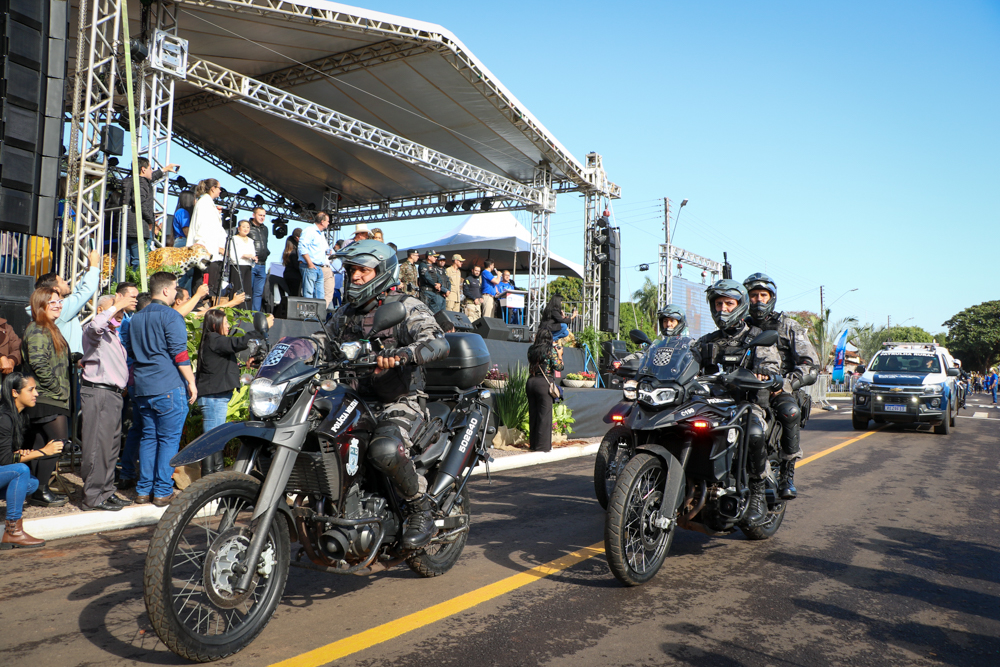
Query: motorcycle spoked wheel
x,y
635,547
436,559
189,577
615,451
775,512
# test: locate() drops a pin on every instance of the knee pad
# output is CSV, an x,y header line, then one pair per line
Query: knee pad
x,y
385,452
787,410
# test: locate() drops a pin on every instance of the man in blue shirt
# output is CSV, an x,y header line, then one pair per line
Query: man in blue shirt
x,y
157,341
314,250
490,281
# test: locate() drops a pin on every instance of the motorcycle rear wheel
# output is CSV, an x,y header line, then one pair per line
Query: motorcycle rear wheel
x,y
635,547
775,513
615,451
189,575
436,559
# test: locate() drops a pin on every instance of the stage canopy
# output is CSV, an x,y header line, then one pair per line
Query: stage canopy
x,y
496,236
400,75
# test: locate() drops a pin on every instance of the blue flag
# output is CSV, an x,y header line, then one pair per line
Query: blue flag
x,y
838,357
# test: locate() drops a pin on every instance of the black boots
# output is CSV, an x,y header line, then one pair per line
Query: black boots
x,y
45,498
786,481
420,523
757,507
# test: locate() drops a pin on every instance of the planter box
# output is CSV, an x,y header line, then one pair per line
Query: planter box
x,y
578,383
495,384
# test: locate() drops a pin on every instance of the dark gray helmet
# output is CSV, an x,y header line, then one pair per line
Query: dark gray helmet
x,y
375,255
732,290
759,312
675,312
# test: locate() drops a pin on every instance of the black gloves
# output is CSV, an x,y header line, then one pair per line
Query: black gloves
x,y
404,353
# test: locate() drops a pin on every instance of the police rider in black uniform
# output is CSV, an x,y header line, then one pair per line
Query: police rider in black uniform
x,y
798,366
724,349
673,321
371,269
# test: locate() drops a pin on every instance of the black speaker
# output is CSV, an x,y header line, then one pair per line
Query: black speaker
x,y
459,321
15,292
112,140
610,279
300,308
492,328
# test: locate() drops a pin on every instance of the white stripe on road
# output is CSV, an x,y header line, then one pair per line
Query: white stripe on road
x,y
981,415
992,419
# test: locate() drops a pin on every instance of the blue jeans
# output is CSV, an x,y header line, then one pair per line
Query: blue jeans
x,y
312,282
562,333
213,410
17,480
130,453
132,253
993,390
163,419
259,280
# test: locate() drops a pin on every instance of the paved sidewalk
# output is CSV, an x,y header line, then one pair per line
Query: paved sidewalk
x,y
73,523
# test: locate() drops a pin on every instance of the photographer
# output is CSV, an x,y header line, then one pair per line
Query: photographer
x,y
19,392
218,375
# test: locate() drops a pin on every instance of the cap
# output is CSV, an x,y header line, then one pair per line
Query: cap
x,y
412,251
431,253
458,257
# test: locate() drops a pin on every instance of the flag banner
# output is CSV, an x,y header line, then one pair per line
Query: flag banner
x,y
838,357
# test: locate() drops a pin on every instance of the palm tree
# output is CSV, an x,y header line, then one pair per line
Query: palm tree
x,y
868,340
823,335
645,298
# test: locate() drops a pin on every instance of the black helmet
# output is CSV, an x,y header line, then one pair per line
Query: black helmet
x,y
759,312
675,312
732,290
375,255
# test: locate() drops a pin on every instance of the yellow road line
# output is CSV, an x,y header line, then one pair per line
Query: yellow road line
x,y
387,631
831,450
382,633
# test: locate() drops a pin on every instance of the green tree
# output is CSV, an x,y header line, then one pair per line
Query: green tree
x,y
803,317
908,335
823,335
974,336
868,339
570,289
645,298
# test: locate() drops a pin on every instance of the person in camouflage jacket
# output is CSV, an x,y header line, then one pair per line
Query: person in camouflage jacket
x,y
409,275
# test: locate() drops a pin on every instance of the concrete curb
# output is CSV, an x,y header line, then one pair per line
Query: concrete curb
x,y
135,516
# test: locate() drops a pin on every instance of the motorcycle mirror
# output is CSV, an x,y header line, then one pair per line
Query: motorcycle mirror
x,y
639,337
260,322
387,316
765,339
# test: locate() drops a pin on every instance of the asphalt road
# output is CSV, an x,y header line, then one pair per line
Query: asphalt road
x,y
890,556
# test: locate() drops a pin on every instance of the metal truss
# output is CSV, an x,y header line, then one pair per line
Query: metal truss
x,y
93,100
322,68
156,116
538,265
282,104
458,202
664,282
671,253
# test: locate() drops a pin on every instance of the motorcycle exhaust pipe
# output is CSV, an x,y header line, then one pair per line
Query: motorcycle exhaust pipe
x,y
461,448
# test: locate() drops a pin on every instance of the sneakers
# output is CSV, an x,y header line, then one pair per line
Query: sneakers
x,y
420,523
757,508
786,481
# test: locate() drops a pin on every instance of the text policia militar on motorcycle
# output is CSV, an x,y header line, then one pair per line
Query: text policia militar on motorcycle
x,y
697,440
370,428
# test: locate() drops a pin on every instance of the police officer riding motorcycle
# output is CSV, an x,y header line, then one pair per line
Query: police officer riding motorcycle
x,y
371,269
673,321
798,366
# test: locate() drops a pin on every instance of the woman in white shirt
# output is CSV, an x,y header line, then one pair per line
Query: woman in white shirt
x,y
243,256
207,231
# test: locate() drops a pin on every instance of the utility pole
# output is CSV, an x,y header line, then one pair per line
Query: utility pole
x,y
669,287
822,312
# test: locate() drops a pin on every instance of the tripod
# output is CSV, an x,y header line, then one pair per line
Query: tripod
x,y
227,253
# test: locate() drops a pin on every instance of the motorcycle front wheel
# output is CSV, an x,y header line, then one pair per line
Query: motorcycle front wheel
x,y
615,451
191,569
635,545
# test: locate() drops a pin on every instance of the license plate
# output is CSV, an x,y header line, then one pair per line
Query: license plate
x,y
895,408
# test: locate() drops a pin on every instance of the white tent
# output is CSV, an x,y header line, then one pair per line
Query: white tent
x,y
497,236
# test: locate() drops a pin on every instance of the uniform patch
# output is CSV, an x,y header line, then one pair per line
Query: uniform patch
x,y
352,458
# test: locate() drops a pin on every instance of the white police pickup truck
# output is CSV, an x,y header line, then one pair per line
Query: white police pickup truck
x,y
908,383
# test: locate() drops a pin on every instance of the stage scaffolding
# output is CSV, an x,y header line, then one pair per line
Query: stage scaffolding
x,y
95,104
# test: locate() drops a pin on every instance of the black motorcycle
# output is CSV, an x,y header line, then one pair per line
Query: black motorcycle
x,y
219,558
686,441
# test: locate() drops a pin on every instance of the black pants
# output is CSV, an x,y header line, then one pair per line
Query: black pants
x,y
241,280
38,437
786,409
214,271
539,414
294,281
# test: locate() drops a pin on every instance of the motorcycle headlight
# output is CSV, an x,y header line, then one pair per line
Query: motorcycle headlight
x,y
863,386
662,396
351,350
265,397
932,389
629,389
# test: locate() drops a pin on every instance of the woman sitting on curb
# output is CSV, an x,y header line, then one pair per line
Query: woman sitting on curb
x,y
19,392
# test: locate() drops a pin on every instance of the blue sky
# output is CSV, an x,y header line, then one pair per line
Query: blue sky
x,y
851,144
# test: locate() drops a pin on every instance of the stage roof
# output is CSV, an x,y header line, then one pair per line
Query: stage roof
x,y
405,76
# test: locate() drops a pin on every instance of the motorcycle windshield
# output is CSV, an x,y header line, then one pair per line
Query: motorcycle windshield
x,y
289,357
670,360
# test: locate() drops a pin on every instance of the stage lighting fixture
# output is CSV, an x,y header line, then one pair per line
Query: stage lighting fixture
x,y
296,208
600,257
280,201
112,162
644,267
181,182
280,228
257,199
244,192
311,206
468,204
487,204
600,238
450,206
139,50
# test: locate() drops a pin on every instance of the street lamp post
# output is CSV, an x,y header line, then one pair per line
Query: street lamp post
x,y
670,274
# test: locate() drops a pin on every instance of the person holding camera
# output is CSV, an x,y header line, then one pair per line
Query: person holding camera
x,y
218,375
46,356
18,393
103,382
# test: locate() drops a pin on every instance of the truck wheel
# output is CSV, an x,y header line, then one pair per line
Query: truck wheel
x,y
859,422
944,428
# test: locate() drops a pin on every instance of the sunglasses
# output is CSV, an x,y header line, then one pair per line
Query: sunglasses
x,y
56,302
